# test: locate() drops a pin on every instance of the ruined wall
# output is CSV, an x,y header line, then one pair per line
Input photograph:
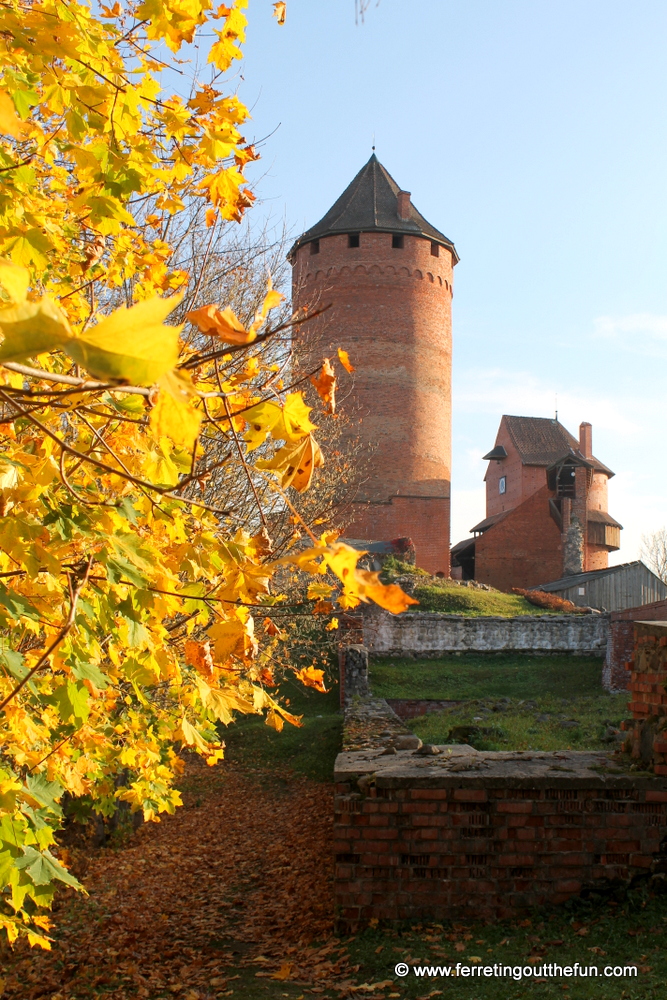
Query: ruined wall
x,y
618,662
431,634
433,833
411,845
647,729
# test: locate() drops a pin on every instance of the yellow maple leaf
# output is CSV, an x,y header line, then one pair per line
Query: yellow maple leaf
x,y
131,345
10,123
285,970
295,463
225,324
32,328
14,280
174,415
295,416
192,736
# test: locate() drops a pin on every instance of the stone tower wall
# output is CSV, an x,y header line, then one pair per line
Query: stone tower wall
x,y
390,309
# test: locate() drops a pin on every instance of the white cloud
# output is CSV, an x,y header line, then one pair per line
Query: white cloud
x,y
648,324
498,391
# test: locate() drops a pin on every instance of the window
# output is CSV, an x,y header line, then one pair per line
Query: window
x,y
581,591
353,239
397,241
315,246
502,484
435,249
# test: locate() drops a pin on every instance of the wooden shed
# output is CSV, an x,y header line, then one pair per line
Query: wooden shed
x,y
613,589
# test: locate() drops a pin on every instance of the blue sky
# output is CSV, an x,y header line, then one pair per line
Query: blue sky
x,y
535,136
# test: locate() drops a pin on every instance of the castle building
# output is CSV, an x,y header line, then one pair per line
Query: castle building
x,y
546,508
386,274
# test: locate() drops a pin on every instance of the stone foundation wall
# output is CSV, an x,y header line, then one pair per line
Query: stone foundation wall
x,y
428,634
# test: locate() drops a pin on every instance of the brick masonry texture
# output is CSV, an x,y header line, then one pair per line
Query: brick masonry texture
x,y
616,676
431,634
414,844
391,311
647,739
524,549
470,834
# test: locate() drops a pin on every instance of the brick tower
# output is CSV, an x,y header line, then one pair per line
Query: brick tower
x,y
387,275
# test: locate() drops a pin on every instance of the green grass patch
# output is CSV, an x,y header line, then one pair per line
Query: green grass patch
x,y
513,702
435,594
310,749
474,675
453,600
604,932
541,724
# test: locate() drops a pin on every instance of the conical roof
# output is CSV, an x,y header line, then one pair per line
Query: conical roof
x,y
370,204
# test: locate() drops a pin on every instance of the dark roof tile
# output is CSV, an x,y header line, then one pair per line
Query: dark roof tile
x,y
370,204
544,441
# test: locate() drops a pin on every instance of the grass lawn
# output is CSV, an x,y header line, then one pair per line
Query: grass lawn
x,y
435,594
455,600
507,702
310,749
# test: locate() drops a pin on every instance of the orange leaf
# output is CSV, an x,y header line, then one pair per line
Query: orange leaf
x,y
271,628
198,655
280,12
325,383
345,360
285,970
221,323
312,678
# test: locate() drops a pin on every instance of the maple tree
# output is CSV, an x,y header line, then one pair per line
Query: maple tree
x,y
128,602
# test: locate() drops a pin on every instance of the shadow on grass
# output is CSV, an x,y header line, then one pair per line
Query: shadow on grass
x,y
310,749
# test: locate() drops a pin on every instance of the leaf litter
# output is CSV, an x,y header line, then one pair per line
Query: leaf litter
x,y
240,878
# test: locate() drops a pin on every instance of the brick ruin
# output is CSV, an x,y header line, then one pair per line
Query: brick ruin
x,y
647,730
422,834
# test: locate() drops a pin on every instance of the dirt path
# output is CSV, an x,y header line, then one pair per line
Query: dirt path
x,y
238,882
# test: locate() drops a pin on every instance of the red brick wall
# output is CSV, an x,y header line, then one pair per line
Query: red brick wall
x,y
405,853
522,550
521,480
425,521
391,311
622,640
648,693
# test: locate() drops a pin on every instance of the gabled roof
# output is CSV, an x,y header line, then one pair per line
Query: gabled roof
x,y
544,441
370,204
